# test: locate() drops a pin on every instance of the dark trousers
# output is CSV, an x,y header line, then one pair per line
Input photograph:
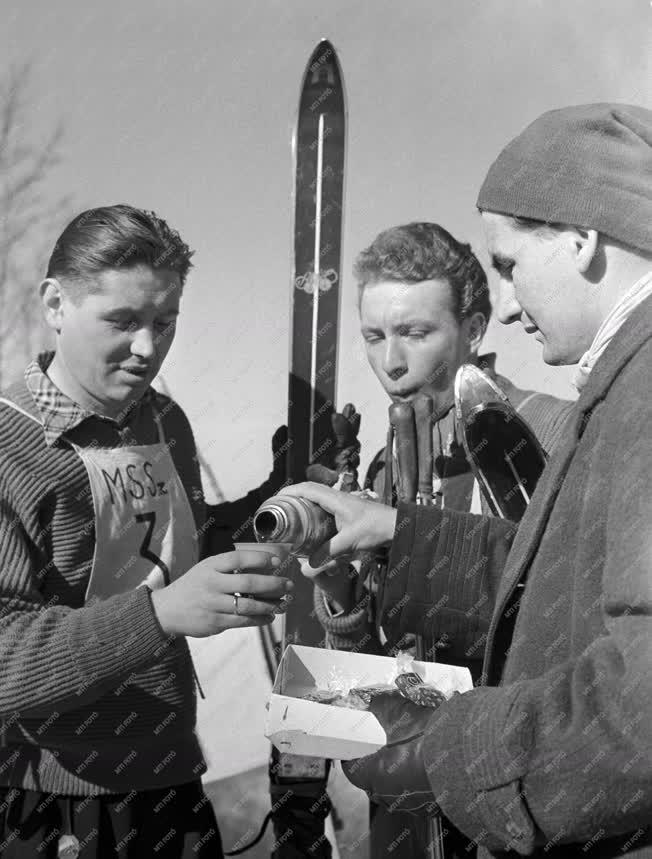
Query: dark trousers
x,y
172,823
401,835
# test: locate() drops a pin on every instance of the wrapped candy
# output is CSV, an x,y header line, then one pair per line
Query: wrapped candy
x,y
412,686
343,691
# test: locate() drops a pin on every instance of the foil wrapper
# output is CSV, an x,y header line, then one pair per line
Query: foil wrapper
x,y
412,686
343,690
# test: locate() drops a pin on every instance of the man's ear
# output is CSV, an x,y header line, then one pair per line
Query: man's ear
x,y
476,328
52,300
585,245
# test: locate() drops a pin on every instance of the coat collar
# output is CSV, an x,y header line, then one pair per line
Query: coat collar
x,y
635,331
625,344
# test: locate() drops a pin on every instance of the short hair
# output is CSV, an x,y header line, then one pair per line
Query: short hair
x,y
115,237
420,251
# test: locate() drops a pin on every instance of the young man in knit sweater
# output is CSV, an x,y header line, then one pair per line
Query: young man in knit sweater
x,y
552,755
424,308
102,529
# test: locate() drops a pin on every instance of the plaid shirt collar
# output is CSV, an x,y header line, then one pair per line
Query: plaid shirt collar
x,y
60,414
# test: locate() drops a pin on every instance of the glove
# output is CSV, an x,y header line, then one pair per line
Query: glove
x,y
345,452
395,776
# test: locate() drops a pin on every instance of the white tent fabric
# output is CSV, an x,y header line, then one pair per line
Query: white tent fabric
x,y
230,721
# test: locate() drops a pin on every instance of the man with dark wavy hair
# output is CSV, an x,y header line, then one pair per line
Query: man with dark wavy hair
x,y
424,308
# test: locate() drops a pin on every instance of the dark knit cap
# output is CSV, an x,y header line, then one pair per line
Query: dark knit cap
x,y
589,166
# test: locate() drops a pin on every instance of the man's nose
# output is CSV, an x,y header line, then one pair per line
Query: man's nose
x,y
394,363
143,343
508,309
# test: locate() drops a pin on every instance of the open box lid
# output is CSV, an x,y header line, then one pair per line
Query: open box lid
x,y
301,727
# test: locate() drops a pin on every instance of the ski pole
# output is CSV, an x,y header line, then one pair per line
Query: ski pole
x,y
423,413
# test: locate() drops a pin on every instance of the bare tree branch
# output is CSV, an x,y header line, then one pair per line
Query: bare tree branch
x,y
29,214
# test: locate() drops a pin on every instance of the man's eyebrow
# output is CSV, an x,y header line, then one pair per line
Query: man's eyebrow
x,y
123,311
412,322
119,310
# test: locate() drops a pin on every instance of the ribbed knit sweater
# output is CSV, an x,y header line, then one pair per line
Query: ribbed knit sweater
x,y
93,699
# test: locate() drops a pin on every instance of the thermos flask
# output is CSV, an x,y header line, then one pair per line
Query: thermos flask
x,y
285,519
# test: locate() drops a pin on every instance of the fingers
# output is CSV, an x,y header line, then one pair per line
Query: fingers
x,y
243,559
267,587
310,570
337,549
348,457
353,416
279,439
245,606
401,718
346,425
321,474
234,621
329,499
341,429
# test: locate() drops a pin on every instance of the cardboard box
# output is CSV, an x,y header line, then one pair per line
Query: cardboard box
x,y
302,727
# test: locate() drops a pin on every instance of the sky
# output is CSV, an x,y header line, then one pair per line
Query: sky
x,y
188,109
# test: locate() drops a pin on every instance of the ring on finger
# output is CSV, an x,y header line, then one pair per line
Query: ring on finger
x,y
236,597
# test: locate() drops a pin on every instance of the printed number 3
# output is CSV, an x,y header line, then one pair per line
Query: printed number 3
x,y
145,551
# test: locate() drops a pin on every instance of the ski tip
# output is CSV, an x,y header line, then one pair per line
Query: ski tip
x,y
323,54
322,88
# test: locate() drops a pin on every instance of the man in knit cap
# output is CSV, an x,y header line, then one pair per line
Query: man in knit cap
x,y
552,755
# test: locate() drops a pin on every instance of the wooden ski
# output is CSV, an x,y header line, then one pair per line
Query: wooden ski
x,y
319,153
300,803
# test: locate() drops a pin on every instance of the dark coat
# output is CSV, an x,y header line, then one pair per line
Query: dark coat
x,y
557,759
401,835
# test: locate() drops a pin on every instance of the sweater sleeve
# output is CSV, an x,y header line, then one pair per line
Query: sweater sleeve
x,y
357,630
442,577
56,657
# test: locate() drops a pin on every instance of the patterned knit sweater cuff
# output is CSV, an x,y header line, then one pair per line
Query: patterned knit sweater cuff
x,y
115,637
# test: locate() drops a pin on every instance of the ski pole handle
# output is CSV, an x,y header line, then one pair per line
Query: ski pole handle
x,y
389,468
423,412
401,418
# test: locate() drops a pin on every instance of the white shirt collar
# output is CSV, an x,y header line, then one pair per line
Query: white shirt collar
x,y
623,308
